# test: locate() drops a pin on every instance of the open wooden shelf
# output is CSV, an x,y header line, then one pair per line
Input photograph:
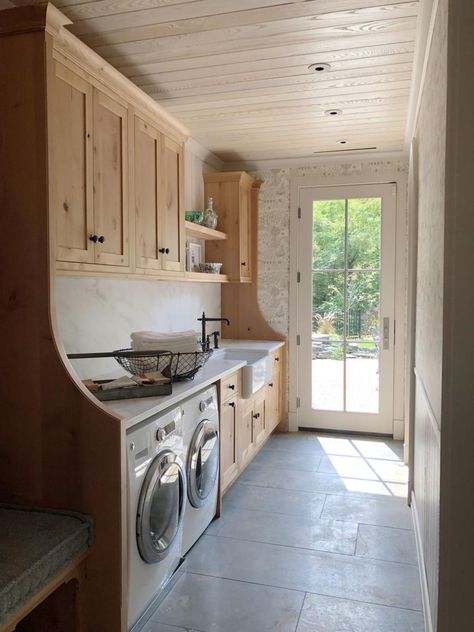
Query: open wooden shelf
x,y
207,277
201,232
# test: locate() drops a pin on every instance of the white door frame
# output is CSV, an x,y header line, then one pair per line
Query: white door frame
x,y
386,176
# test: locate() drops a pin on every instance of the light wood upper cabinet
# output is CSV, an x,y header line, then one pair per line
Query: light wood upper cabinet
x,y
147,169
115,170
158,205
172,213
232,197
70,102
110,180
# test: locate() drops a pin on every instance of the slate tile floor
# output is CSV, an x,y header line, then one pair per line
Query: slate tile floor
x,y
315,537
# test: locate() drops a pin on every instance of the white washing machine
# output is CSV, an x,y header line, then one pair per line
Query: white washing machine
x,y
156,503
201,443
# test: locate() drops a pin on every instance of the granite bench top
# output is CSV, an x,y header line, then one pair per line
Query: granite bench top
x,y
35,545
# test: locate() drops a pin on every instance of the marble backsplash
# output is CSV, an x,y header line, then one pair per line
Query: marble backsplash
x,y
99,314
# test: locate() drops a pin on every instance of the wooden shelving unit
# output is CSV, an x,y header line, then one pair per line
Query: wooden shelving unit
x,y
206,277
201,232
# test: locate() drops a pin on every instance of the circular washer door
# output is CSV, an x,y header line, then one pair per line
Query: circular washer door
x,y
160,507
203,462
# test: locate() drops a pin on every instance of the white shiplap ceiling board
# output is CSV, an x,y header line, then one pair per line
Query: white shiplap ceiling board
x,y
236,71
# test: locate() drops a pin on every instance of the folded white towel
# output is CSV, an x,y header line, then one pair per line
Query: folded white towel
x,y
184,341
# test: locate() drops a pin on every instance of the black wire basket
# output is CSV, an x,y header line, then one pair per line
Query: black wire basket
x,y
176,366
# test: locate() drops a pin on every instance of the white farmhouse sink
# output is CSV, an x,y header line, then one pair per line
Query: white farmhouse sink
x,y
256,373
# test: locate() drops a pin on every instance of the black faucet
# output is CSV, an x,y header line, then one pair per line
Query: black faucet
x,y
205,342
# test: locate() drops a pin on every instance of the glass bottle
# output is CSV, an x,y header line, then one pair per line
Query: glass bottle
x,y
210,216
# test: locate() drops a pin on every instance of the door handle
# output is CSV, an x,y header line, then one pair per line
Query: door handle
x,y
386,333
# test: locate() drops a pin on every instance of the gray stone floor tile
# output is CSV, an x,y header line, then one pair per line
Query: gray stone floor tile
x,y
389,512
306,462
331,574
386,543
336,536
327,614
298,442
153,626
379,448
284,501
257,474
221,605
347,467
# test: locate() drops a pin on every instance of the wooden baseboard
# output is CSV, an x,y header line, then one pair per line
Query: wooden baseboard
x,y
425,596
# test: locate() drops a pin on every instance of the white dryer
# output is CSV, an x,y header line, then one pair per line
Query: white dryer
x,y
156,503
201,443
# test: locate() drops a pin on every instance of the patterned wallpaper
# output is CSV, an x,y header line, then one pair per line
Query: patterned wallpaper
x,y
274,227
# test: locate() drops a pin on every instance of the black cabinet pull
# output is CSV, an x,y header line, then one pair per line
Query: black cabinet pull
x,y
271,384
93,238
256,416
232,386
101,239
232,404
164,251
244,263
277,359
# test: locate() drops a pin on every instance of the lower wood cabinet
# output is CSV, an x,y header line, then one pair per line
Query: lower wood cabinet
x,y
245,424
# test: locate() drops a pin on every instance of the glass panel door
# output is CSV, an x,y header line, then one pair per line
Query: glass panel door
x,y
347,241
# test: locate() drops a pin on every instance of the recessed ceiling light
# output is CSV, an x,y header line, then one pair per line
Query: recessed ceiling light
x,y
333,112
319,67
343,141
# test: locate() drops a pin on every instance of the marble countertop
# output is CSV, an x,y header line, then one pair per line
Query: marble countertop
x,y
133,411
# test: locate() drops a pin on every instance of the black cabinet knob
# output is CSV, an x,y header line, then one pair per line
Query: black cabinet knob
x,y
93,238
101,239
256,416
271,384
244,263
232,404
164,251
232,386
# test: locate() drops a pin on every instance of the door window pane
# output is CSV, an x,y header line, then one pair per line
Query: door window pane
x,y
363,233
328,375
329,220
362,377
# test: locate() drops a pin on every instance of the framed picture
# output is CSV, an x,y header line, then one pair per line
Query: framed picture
x,y
193,257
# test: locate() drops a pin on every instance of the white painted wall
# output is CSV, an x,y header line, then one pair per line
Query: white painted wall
x,y
98,314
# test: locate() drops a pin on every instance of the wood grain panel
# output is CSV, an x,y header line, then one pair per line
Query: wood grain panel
x,y
147,187
110,180
236,72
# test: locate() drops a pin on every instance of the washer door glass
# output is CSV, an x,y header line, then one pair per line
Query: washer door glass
x,y
203,462
160,507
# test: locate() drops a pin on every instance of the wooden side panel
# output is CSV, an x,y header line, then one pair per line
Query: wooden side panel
x,y
110,180
245,439
70,100
245,236
147,158
172,213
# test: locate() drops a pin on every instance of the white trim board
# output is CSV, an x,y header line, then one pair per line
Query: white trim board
x,y
425,595
321,159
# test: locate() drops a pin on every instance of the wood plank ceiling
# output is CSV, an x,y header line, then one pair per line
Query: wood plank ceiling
x,y
236,71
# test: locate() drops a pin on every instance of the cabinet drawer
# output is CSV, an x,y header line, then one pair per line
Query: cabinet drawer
x,y
230,386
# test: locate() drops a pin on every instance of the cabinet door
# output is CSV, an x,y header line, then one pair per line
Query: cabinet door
x,y
110,181
259,420
70,127
147,161
228,436
172,214
245,440
272,403
244,230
